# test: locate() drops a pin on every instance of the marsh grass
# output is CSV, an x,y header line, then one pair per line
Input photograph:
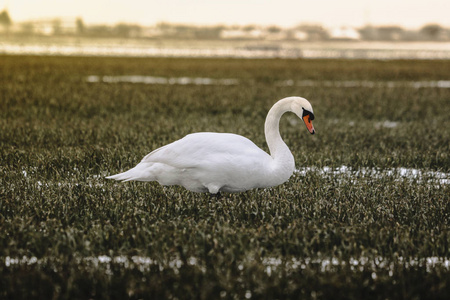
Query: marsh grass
x,y
60,135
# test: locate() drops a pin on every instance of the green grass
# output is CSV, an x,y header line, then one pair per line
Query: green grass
x,y
60,135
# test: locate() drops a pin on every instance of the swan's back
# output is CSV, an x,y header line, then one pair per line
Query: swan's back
x,y
193,149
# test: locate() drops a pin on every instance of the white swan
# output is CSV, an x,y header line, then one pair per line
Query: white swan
x,y
215,162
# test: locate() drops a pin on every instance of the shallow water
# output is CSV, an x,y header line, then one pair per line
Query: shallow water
x,y
442,84
145,79
162,80
344,172
341,174
228,48
271,264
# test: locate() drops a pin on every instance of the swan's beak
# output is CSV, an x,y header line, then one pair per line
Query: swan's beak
x,y
308,123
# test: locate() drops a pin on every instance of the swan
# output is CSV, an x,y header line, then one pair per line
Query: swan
x,y
224,162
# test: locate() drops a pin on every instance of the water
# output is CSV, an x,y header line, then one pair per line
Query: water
x,y
342,174
162,80
227,49
271,264
409,174
145,79
441,84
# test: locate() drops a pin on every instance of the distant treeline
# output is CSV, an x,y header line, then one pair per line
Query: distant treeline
x,y
77,27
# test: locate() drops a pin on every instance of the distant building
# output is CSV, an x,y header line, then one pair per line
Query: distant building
x,y
241,34
310,32
385,33
344,33
299,35
47,27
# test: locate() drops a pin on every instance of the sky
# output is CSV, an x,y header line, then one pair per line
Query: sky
x,y
284,13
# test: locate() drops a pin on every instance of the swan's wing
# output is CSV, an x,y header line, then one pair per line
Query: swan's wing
x,y
211,149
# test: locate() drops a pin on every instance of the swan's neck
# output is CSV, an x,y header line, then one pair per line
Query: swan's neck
x,y
278,148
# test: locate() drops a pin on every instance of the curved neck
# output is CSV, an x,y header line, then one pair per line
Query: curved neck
x,y
277,147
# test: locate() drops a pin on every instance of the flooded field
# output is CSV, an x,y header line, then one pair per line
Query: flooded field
x,y
364,216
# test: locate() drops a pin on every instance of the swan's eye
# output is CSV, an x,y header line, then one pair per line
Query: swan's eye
x,y
308,113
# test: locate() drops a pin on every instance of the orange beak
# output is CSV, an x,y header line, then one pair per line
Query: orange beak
x,y
308,123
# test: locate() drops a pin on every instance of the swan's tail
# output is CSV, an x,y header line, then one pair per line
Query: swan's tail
x,y
138,173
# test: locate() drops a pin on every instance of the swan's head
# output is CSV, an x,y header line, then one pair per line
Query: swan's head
x,y
303,109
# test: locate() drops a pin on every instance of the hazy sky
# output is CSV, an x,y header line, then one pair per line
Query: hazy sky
x,y
407,13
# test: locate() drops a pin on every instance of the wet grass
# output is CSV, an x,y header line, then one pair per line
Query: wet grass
x,y
60,135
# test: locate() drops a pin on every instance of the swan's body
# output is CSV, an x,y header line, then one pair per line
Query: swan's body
x,y
214,162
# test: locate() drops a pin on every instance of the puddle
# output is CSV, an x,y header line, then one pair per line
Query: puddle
x,y
442,84
271,264
386,124
357,264
440,178
162,80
